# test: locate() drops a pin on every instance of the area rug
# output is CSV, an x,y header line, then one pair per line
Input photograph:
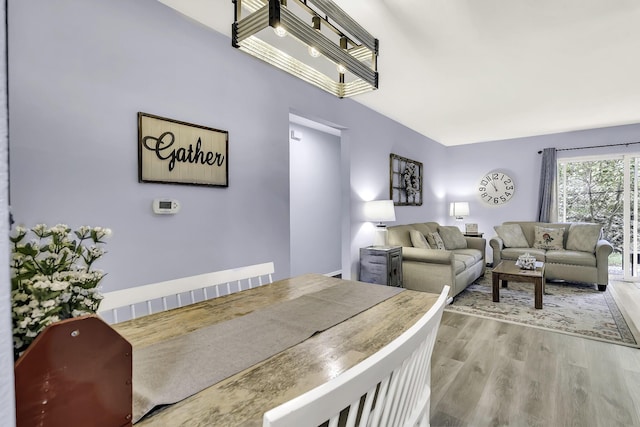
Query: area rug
x,y
571,308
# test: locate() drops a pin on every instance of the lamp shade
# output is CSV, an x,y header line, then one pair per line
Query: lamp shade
x,y
379,211
459,209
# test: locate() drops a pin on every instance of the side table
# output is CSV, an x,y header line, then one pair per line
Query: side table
x,y
381,265
473,234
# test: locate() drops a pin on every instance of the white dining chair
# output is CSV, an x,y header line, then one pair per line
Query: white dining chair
x,y
182,291
390,388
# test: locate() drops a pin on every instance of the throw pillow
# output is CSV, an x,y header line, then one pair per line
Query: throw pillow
x,y
512,235
435,241
548,238
583,237
418,240
452,237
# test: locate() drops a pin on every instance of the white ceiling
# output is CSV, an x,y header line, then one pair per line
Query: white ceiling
x,y
465,71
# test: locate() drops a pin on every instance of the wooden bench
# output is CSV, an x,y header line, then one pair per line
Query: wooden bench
x,y
170,294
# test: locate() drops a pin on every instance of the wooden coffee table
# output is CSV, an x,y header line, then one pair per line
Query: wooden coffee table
x,y
508,270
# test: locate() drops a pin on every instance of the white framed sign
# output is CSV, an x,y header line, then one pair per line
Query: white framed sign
x,y
175,152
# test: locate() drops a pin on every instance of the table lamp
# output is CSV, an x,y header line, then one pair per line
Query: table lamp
x,y
380,211
459,210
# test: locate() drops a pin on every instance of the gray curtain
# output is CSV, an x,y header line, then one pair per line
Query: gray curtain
x,y
547,211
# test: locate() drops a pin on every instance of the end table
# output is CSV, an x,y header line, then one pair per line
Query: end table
x,y
381,265
473,234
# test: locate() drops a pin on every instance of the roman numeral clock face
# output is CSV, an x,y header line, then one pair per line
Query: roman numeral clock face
x,y
496,188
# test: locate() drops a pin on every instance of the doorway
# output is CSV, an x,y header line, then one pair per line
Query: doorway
x,y
315,197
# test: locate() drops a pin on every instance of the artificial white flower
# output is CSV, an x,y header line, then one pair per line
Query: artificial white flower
x,y
19,297
95,251
69,286
21,309
39,229
102,232
78,313
60,229
48,304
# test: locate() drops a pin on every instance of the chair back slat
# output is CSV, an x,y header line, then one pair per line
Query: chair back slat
x,y
395,383
174,290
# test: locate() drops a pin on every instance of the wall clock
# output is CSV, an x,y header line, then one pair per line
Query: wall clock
x,y
496,188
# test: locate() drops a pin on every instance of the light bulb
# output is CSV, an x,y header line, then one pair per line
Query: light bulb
x,y
280,31
341,69
314,52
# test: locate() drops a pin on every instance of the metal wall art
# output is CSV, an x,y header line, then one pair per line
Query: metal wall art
x,y
405,188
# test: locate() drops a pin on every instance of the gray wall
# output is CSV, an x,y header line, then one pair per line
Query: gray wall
x,y
315,202
80,70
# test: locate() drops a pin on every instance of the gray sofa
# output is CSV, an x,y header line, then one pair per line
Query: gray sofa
x,y
426,269
573,252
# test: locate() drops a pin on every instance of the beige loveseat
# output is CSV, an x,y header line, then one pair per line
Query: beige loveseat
x,y
427,269
573,252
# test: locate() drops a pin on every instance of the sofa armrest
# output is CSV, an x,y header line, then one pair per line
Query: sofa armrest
x,y
434,256
497,244
477,243
603,250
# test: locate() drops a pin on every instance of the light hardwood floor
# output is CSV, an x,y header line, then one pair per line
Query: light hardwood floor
x,y
491,373
627,296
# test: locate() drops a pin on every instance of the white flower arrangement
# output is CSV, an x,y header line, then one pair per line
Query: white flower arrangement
x,y
52,277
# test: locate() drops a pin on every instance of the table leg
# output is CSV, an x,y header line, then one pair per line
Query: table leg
x,y
496,287
538,291
505,283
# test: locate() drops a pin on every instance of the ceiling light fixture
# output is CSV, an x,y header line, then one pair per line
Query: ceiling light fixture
x,y
314,52
331,33
280,32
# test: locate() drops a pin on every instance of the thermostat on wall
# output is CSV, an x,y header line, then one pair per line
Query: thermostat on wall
x,y
166,206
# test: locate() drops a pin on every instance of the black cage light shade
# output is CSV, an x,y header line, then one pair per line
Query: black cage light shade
x,y
314,40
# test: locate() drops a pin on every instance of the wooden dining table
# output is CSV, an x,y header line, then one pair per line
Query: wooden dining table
x,y
243,398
